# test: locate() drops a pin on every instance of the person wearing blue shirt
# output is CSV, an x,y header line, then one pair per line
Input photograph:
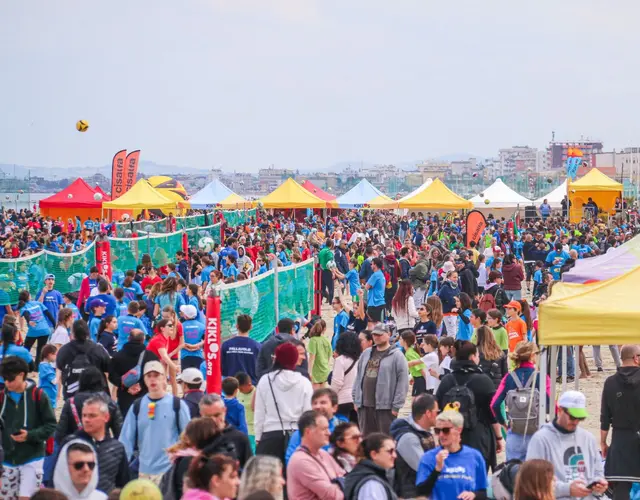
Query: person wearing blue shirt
x,y
340,322
230,270
235,414
191,355
451,469
104,296
130,322
47,374
158,425
9,348
88,225
98,308
325,401
555,260
132,289
376,286
52,299
39,320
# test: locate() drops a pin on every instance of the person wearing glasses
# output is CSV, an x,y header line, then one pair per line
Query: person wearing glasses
x,y
368,479
451,470
573,451
76,474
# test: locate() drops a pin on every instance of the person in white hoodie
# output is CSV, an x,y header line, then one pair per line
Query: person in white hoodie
x,y
573,451
282,396
76,472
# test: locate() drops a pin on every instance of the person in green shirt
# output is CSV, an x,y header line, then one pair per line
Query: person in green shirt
x,y
325,259
319,349
494,321
416,370
245,395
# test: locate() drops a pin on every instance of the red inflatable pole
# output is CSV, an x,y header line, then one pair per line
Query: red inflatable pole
x,y
103,257
212,342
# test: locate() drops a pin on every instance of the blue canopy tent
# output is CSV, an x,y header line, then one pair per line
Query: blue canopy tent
x,y
217,195
365,195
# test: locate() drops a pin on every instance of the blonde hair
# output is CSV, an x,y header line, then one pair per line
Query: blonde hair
x,y
451,416
436,309
523,352
261,472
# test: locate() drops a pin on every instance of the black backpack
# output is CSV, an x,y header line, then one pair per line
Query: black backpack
x,y
73,370
462,397
389,270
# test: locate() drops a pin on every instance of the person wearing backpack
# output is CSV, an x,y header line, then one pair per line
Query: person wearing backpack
x,y
495,291
473,390
268,349
77,355
521,399
154,423
28,421
392,271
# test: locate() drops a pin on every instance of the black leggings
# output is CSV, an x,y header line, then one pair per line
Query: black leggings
x,y
28,344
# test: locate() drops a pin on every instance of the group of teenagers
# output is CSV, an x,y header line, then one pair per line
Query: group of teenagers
x,y
412,315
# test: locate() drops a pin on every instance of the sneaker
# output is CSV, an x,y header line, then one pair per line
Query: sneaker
x,y
571,379
600,369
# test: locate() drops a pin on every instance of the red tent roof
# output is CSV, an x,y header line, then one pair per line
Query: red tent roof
x,y
312,188
105,196
81,197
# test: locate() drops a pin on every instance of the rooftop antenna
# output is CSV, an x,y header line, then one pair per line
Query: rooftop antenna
x,y
553,136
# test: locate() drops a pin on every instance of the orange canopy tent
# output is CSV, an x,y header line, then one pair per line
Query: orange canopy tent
x,y
77,199
320,193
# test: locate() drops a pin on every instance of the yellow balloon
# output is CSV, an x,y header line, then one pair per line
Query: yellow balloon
x,y
140,489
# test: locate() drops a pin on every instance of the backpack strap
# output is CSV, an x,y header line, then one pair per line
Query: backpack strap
x,y
532,377
74,410
136,411
517,381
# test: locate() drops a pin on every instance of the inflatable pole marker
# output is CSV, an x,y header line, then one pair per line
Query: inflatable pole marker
x,y
212,344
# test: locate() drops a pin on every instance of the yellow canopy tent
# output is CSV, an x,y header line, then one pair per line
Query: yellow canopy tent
x,y
290,194
605,312
597,186
436,196
142,197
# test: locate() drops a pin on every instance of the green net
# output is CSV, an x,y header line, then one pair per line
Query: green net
x,y
254,298
27,273
295,290
126,254
163,248
203,238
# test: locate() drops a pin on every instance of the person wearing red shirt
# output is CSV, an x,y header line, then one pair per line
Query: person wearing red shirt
x,y
159,345
151,278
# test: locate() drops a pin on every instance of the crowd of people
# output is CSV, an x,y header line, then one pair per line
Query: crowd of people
x,y
414,318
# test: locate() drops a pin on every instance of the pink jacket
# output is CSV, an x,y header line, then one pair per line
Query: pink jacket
x,y
194,494
309,478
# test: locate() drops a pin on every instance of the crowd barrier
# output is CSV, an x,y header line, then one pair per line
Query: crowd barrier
x,y
233,218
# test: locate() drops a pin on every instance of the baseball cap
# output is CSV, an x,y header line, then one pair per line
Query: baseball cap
x,y
575,403
497,249
514,304
98,303
379,329
189,311
154,366
49,277
190,376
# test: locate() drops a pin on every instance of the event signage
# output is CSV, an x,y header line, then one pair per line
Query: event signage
x,y
476,223
212,346
124,170
103,257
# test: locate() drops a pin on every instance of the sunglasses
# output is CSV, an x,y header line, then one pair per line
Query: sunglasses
x,y
444,430
390,451
572,418
355,437
80,465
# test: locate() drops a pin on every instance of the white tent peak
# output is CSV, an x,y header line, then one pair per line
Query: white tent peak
x,y
555,196
500,196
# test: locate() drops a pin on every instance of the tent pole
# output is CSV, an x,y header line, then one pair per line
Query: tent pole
x,y
543,387
576,364
553,370
564,367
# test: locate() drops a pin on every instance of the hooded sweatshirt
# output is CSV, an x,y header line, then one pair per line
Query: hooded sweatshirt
x,y
244,260
574,455
293,394
621,400
62,479
513,276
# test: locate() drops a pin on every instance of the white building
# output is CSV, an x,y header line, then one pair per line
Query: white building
x,y
517,158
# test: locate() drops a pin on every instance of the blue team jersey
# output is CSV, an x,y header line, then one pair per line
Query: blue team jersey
x,y
193,333
353,279
36,310
133,292
53,301
76,311
376,292
125,325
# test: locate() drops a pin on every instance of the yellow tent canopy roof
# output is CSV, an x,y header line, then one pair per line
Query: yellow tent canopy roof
x,y
141,197
605,312
436,196
290,194
595,180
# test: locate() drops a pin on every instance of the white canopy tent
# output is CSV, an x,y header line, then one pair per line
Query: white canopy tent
x,y
554,197
499,195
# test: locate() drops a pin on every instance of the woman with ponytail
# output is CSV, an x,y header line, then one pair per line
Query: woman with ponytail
x,y
107,336
212,477
36,315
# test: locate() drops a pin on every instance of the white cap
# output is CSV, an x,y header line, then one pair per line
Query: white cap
x,y
575,403
189,311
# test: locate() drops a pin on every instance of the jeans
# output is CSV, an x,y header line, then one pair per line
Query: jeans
x,y
517,446
514,294
615,354
571,368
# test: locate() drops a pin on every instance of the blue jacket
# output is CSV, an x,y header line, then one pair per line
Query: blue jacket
x,y
235,415
295,439
447,295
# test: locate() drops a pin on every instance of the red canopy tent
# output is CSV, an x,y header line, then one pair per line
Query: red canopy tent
x,y
77,199
312,188
105,196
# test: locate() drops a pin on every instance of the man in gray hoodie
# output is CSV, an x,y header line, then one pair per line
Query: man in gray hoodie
x,y
572,451
381,385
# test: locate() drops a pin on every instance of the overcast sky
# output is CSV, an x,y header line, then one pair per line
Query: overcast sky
x,y
242,84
